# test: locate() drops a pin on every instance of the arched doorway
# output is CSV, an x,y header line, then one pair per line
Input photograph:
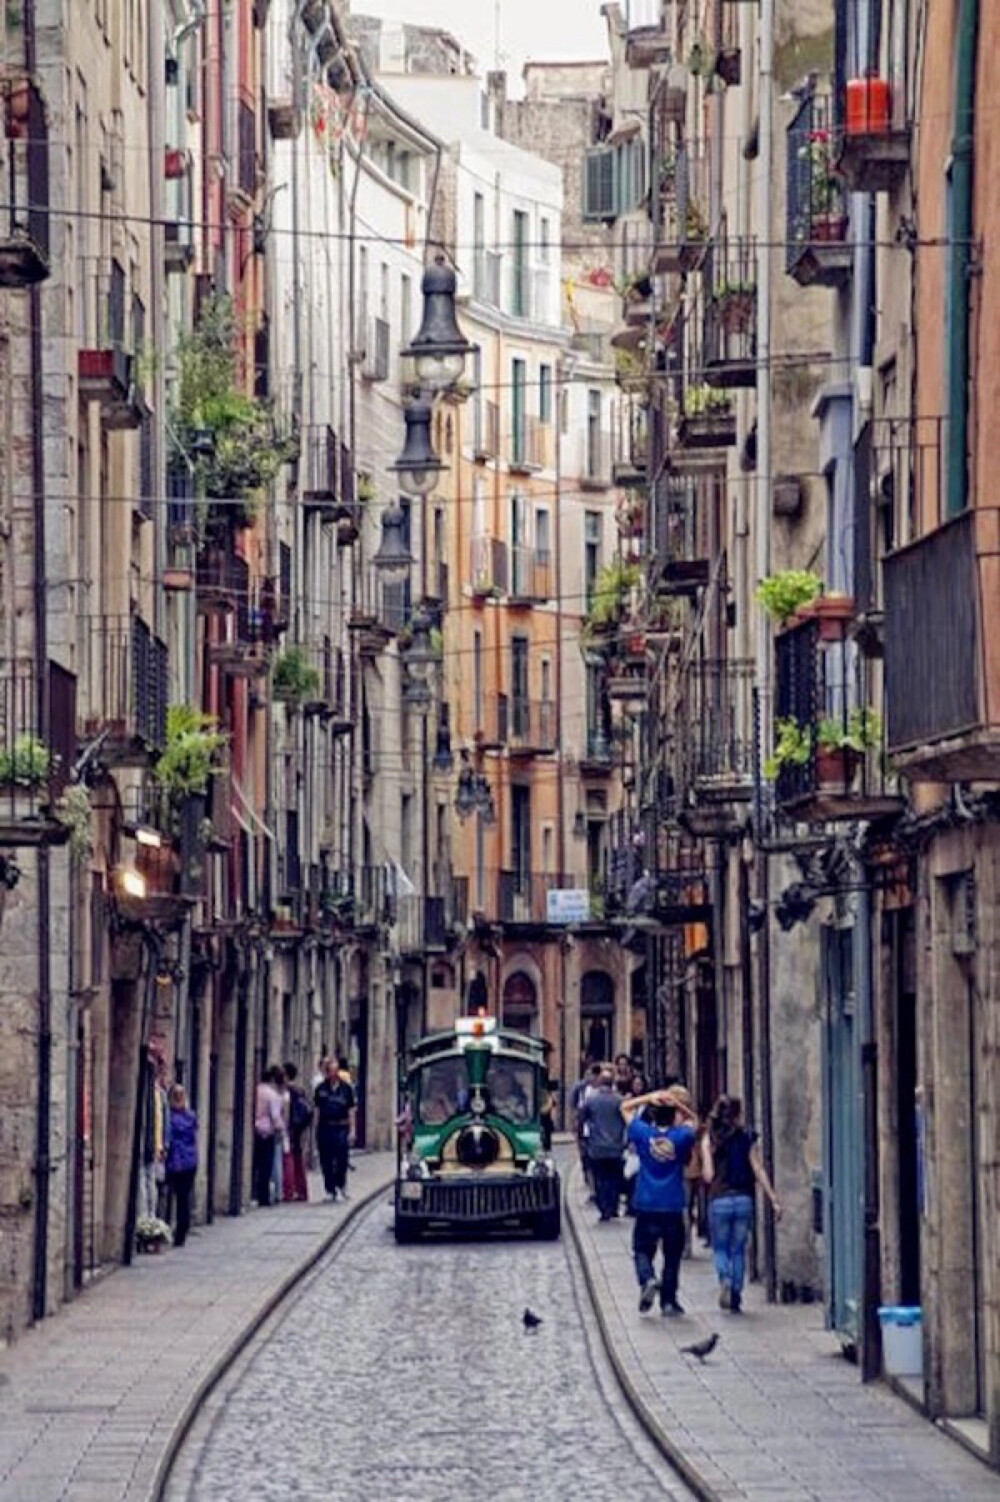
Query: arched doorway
x,y
597,1016
520,1003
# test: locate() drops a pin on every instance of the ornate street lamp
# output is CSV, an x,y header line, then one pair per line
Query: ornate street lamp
x,y
439,348
420,655
418,466
393,556
465,792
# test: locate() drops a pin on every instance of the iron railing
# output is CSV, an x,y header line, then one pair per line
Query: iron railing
x,y
531,725
522,896
937,635
127,681
319,462
730,337
489,572
24,217
630,433
715,729
816,203
531,573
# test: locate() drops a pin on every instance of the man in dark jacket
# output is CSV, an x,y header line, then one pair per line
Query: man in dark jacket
x,y
182,1160
334,1100
604,1136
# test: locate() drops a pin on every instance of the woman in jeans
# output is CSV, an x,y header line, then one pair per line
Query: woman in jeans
x,y
732,1167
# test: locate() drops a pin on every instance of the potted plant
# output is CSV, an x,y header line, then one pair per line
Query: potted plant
x,y
612,591
152,1234
737,304
27,764
827,220
834,612
782,594
841,746
294,679
792,748
192,755
708,420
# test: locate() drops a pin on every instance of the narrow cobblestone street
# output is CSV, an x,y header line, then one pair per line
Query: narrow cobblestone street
x,y
406,1373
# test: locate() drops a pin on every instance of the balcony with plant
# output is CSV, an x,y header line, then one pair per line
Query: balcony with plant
x,y
231,438
818,252
708,418
730,295
611,604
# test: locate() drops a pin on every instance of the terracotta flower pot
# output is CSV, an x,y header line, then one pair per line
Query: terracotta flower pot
x,y
836,769
833,612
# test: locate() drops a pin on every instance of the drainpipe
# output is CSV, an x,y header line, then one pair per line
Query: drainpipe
x,y
43,1164
871,1271
763,558
960,255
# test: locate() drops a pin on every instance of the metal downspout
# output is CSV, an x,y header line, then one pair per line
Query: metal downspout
x,y
960,255
763,558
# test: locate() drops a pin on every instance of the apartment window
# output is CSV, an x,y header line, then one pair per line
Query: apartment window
x,y
518,404
362,290
564,412
520,646
519,545
548,849
477,678
405,310
519,290
546,676
591,553
545,393
404,168
383,303
543,535
544,241
477,400
520,842
406,832
593,434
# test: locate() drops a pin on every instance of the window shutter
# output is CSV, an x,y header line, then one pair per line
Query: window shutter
x,y
599,184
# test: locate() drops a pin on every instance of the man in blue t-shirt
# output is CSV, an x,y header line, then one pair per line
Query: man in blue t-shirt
x,y
664,1145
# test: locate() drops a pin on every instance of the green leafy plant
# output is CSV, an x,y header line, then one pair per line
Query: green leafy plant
x,y
706,401
826,188
73,811
28,763
295,679
783,593
612,589
192,754
149,1230
229,435
727,290
862,731
792,748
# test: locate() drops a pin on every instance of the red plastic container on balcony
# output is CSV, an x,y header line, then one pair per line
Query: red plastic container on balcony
x,y
868,107
175,163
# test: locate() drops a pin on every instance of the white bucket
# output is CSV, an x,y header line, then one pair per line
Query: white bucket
x,y
902,1340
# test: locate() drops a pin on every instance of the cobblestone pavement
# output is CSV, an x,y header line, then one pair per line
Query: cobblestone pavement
x,y
776,1414
89,1399
405,1373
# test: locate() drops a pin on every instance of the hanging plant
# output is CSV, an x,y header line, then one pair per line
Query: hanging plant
x,y
783,593
295,679
73,811
28,763
229,436
192,754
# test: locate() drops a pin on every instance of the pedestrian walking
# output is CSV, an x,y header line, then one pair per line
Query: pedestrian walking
x,y
267,1128
604,1129
664,1145
732,1168
334,1101
578,1095
624,1071
182,1160
300,1115
282,1144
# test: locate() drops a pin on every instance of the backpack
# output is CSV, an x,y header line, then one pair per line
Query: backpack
x,y
300,1114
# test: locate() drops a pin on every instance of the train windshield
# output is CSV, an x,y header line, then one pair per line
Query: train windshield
x,y
512,1088
443,1091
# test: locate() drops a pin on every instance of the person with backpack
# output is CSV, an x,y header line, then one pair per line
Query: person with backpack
x,y
182,1160
334,1101
300,1115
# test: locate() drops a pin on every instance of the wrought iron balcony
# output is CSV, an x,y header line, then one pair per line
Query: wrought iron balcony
x,y
531,575
654,876
375,905
222,578
491,722
729,351
486,437
647,40
489,572
818,252
942,651
531,446
521,897
125,688
24,217
375,360
681,229
829,759
531,726
683,506
28,766
630,465
319,472
873,132
106,357
487,274
715,743
249,636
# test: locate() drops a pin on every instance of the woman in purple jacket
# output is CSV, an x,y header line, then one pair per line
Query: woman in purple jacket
x,y
182,1159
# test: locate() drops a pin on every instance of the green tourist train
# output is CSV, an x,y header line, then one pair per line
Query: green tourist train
x,y
474,1134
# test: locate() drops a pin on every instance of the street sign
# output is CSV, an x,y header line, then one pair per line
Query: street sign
x,y
568,905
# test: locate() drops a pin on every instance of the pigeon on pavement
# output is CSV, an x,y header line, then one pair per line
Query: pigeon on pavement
x,y
701,1348
531,1321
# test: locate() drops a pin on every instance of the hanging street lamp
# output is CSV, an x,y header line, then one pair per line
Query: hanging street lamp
x,y
392,556
420,655
418,466
439,348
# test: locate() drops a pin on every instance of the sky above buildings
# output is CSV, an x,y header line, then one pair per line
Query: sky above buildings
x,y
542,29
